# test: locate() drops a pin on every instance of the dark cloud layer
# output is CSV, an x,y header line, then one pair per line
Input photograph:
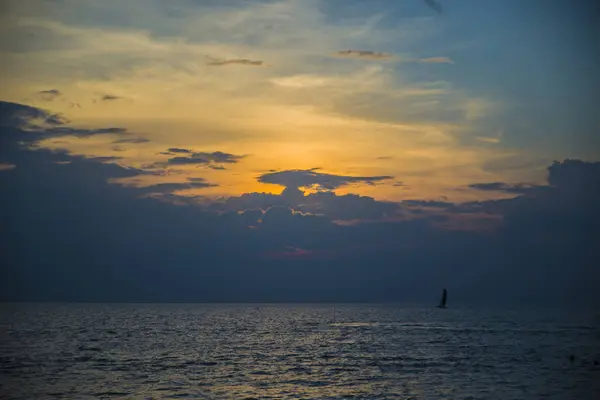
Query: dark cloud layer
x,y
66,234
312,178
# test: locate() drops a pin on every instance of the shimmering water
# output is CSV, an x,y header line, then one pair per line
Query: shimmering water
x,y
170,351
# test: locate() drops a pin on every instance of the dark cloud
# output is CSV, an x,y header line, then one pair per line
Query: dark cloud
x,y
277,215
518,188
435,6
567,210
312,179
16,115
133,140
385,158
41,124
366,54
53,92
217,167
205,158
350,207
110,97
105,158
428,203
67,131
49,95
236,61
178,150
189,160
249,201
14,118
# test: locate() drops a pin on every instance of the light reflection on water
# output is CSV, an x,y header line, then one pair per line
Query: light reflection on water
x,y
142,351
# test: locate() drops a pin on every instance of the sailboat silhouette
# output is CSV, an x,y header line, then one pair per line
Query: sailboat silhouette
x,y
443,300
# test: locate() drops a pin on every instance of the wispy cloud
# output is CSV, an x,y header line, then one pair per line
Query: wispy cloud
x,y
110,97
437,60
84,133
435,6
366,54
54,95
205,158
49,95
491,139
237,61
486,139
135,140
7,167
178,150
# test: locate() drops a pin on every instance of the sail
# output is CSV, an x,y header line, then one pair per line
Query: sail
x,y
444,299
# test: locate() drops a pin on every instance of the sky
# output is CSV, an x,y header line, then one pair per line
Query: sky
x,y
307,150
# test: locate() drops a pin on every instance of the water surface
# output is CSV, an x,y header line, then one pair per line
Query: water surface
x,y
195,351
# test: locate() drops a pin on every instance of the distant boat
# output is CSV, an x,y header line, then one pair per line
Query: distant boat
x,y
443,300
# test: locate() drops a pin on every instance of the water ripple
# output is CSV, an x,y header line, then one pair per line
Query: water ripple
x,y
290,352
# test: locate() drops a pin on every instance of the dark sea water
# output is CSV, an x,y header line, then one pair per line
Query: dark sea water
x,y
192,351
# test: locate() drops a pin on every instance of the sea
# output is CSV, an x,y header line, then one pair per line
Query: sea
x,y
296,351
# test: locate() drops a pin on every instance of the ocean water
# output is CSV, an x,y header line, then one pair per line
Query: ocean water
x,y
198,351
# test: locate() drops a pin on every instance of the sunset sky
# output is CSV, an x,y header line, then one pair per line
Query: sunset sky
x,y
437,101
219,103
